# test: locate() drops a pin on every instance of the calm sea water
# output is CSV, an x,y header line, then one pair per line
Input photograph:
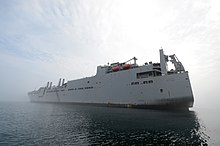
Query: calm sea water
x,y
66,124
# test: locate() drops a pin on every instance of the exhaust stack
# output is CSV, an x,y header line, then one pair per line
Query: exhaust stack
x,y
47,85
59,82
63,82
50,85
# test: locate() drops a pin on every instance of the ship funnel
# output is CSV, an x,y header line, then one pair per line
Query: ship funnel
x,y
50,85
63,82
47,84
59,82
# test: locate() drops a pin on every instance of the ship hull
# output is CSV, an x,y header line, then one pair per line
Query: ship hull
x,y
183,104
123,90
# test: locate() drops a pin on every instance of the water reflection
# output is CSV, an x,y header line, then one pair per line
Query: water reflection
x,y
101,125
67,124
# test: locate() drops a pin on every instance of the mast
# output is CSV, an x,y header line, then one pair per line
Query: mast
x,y
163,62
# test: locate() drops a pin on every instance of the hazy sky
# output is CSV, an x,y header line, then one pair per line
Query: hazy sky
x,y
43,40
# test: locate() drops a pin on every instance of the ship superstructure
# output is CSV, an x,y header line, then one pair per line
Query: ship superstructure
x,y
126,84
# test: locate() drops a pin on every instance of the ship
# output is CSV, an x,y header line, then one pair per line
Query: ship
x,y
126,84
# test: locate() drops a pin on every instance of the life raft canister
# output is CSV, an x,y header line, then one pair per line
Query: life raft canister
x,y
126,66
116,68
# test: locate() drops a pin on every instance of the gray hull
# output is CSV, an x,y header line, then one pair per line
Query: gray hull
x,y
170,91
138,87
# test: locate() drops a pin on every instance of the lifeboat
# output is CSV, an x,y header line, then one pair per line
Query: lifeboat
x,y
126,66
116,68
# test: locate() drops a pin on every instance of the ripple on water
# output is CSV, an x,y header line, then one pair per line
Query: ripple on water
x,y
66,124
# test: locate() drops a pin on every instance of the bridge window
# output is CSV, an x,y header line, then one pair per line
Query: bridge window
x,y
148,74
142,75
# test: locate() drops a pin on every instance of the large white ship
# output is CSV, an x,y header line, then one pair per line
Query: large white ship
x,y
126,84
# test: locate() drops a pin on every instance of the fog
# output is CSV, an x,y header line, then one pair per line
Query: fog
x,y
43,41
